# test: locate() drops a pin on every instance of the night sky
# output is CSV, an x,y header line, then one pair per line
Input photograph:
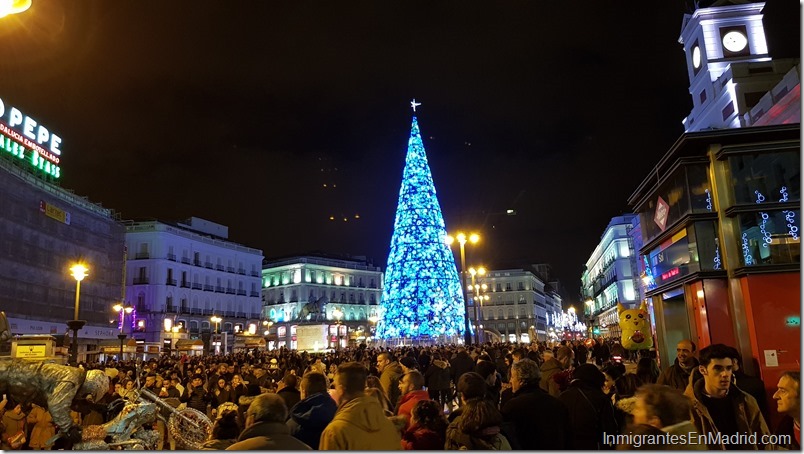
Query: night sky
x,y
241,112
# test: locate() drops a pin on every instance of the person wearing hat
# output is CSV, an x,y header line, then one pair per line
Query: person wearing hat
x,y
591,411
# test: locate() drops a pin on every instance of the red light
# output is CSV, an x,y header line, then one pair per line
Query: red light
x,y
671,273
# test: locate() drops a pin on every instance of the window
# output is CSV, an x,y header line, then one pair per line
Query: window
x,y
498,287
770,237
766,177
508,286
702,96
520,286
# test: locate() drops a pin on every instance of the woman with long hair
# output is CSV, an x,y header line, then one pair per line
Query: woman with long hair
x,y
647,370
478,427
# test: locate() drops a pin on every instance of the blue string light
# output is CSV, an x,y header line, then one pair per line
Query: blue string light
x,y
422,292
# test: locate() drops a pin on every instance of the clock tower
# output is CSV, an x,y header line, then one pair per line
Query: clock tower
x,y
728,64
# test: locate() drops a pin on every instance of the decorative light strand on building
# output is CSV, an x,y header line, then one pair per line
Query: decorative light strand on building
x,y
708,200
760,197
790,217
749,260
717,259
763,228
783,192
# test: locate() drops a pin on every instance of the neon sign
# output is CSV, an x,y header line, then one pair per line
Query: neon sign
x,y
671,273
25,139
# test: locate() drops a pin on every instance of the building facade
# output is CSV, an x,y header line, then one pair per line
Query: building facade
x,y
610,277
347,290
181,275
516,305
44,230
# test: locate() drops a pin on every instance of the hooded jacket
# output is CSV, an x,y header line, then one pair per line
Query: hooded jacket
x,y
746,412
437,375
389,380
360,424
267,436
310,417
550,368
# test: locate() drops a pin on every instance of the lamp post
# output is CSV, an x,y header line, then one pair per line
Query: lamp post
x,y
79,272
216,320
122,310
373,319
337,313
477,297
462,238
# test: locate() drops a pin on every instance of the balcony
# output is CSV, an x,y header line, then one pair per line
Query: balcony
x,y
170,308
229,313
185,285
140,280
142,255
186,260
170,282
254,293
241,292
219,289
207,311
195,311
209,288
230,269
171,257
255,274
220,267
197,262
197,286
230,291
184,310
208,265
241,271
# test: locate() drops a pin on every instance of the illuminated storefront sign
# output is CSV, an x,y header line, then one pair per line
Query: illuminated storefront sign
x,y
54,213
23,138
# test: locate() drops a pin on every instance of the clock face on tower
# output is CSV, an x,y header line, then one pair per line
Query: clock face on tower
x,y
696,57
734,41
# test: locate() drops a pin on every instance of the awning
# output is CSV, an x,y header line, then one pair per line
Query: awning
x,y
189,344
116,343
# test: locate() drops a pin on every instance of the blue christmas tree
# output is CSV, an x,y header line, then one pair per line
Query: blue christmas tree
x,y
422,292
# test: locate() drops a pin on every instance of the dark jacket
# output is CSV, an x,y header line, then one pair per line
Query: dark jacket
x,y
310,417
291,396
437,375
267,436
787,427
746,413
591,414
675,377
550,368
755,387
538,420
459,365
220,396
198,399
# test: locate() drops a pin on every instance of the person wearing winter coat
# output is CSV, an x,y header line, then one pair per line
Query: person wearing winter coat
x,y
390,371
428,427
222,393
720,407
288,391
411,387
13,422
43,427
678,375
460,364
315,410
560,364
359,423
437,378
666,409
265,427
224,432
195,396
539,420
477,427
591,412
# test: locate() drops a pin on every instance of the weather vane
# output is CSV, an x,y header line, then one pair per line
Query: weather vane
x,y
415,104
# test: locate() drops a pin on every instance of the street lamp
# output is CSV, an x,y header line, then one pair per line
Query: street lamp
x,y
14,7
462,238
79,271
215,319
337,313
122,310
477,297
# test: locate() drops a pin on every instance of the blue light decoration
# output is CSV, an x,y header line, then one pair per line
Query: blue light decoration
x,y
789,216
717,260
421,295
747,257
708,200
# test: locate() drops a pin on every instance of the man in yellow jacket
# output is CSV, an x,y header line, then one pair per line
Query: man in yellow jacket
x,y
360,422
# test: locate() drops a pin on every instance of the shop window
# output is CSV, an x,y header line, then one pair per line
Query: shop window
x,y
674,193
769,237
766,177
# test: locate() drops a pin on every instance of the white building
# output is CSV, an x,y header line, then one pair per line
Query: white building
x,y
610,276
516,303
186,273
731,70
350,285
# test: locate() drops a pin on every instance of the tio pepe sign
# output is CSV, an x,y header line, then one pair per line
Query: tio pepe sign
x,y
24,138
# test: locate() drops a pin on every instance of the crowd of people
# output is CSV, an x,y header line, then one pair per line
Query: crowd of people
x,y
501,396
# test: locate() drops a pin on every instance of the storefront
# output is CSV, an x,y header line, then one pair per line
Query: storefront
x,y
191,347
109,349
720,218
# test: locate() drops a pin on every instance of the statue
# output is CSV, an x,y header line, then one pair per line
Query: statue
x,y
317,307
635,326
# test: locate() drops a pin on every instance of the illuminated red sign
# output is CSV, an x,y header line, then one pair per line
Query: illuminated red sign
x,y
671,273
